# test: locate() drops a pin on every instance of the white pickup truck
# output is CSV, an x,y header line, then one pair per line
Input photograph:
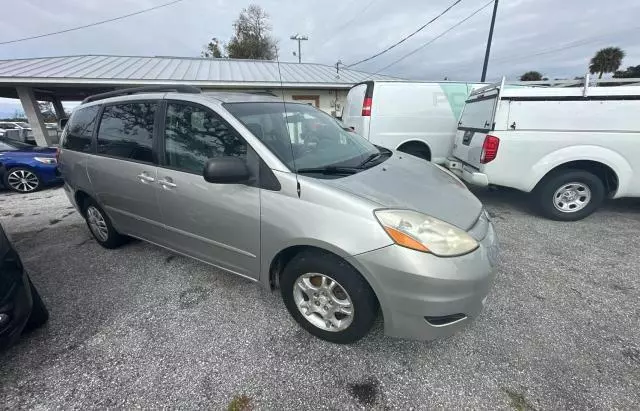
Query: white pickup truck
x,y
571,147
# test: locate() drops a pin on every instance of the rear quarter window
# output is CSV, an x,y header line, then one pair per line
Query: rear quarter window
x,y
79,131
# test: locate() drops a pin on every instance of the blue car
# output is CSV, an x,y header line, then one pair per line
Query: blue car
x,y
25,168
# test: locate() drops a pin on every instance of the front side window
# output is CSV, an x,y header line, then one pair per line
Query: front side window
x,y
302,136
194,134
126,131
79,130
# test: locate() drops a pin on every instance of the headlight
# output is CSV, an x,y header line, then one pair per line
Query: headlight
x,y
45,160
424,233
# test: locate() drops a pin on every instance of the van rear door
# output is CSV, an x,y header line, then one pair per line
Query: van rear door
x,y
355,113
476,121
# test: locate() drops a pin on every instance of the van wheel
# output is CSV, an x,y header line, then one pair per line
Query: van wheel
x,y
417,150
328,297
100,225
569,195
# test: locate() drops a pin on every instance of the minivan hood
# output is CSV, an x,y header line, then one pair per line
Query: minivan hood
x,y
407,182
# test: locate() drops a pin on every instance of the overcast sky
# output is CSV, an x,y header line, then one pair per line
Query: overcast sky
x,y
527,36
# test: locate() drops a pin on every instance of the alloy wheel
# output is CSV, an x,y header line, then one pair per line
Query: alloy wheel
x,y
97,223
23,181
571,197
323,302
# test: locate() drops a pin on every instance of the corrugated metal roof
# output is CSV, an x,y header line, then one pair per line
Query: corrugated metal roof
x,y
99,69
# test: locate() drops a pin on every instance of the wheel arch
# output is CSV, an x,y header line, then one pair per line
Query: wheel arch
x,y
414,143
80,197
280,260
612,168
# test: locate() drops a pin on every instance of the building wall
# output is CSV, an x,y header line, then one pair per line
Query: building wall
x,y
329,101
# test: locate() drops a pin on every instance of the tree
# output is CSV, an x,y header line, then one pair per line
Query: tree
x,y
252,38
212,50
606,60
531,76
630,72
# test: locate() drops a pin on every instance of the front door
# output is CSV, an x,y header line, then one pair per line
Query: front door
x,y
216,223
123,173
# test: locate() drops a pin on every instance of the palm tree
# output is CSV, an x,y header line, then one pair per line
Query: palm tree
x,y
606,60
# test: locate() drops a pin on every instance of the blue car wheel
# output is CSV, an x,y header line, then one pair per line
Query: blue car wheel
x,y
21,180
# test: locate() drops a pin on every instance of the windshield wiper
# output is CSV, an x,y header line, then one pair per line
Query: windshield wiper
x,y
335,170
373,157
369,159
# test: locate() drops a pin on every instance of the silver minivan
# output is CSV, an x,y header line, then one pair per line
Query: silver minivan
x,y
281,194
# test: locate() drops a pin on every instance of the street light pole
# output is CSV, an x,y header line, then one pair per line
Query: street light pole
x,y
299,39
486,55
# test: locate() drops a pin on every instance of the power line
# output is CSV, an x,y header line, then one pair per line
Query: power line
x,y
359,14
433,39
91,24
337,30
562,47
409,36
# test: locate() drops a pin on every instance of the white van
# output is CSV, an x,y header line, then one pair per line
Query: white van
x,y
570,146
418,118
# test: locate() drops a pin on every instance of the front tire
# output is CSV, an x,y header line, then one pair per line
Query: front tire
x,y
100,225
22,180
328,297
569,195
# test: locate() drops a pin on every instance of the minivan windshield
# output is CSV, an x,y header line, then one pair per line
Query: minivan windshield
x,y
305,138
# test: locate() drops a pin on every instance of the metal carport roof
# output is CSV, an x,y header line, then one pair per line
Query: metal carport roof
x,y
69,76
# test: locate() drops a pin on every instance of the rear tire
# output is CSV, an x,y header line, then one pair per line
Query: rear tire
x,y
569,195
39,313
327,307
100,225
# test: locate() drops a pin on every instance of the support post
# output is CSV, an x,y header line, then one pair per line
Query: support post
x,y
58,108
34,116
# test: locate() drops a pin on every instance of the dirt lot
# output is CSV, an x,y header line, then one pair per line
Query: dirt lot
x,y
139,326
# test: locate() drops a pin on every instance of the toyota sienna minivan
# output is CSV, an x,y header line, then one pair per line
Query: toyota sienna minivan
x,y
281,194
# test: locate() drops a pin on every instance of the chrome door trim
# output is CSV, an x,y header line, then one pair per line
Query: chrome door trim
x,y
177,230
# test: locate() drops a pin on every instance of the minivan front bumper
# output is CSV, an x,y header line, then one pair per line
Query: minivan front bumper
x,y
426,297
467,173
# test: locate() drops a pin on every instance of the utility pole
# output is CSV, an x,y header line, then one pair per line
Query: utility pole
x,y
299,38
486,56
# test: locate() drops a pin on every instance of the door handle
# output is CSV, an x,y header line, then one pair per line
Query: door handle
x,y
146,178
167,183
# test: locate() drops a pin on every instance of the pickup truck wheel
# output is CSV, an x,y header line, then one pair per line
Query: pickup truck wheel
x,y
569,195
328,297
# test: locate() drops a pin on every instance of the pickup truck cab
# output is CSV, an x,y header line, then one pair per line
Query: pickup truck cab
x,y
571,147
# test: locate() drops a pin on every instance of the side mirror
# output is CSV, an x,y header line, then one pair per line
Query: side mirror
x,y
63,122
226,170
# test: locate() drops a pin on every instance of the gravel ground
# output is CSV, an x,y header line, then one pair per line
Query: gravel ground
x,y
141,327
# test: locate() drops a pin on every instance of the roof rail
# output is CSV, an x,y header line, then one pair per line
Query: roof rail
x,y
146,89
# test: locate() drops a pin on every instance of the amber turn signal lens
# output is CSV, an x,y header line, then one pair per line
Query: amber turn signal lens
x,y
405,240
